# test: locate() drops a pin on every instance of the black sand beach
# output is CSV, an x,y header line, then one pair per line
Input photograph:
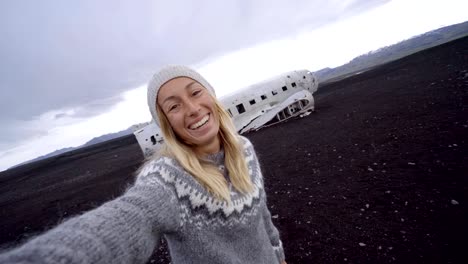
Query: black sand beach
x,y
377,174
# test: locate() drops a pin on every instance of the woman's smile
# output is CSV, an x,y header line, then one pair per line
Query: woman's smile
x,y
200,123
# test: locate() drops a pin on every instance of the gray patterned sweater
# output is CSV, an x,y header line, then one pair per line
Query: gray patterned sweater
x,y
165,201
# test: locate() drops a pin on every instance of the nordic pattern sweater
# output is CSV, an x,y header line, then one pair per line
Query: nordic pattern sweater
x,y
165,201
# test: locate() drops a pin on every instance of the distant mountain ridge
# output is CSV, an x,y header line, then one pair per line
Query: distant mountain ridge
x,y
107,137
393,52
93,141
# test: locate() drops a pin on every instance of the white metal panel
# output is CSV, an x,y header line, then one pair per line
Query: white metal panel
x,y
307,104
272,89
149,138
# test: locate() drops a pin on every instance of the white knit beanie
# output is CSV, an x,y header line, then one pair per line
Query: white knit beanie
x,y
166,74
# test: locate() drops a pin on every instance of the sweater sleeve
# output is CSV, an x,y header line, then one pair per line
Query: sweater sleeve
x,y
269,226
273,234
124,230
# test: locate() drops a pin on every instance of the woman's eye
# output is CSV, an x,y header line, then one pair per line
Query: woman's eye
x,y
173,107
196,92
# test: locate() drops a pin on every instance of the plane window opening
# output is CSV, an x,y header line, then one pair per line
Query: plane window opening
x,y
285,88
274,92
153,140
230,113
264,97
252,102
293,84
240,108
303,77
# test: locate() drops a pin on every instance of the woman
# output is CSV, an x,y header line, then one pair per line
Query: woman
x,y
204,192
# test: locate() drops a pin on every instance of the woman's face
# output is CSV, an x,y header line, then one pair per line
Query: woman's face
x,y
190,110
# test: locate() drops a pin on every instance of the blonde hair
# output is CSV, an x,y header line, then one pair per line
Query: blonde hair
x,y
205,172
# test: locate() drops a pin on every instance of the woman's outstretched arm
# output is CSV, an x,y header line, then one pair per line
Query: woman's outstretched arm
x,y
273,234
125,230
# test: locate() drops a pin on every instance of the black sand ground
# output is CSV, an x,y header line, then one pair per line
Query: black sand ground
x,y
378,174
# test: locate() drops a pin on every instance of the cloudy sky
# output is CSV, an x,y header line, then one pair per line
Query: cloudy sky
x,y
72,70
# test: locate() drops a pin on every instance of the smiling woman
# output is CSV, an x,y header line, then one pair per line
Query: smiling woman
x,y
203,192
195,125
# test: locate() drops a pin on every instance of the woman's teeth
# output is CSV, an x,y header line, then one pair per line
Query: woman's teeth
x,y
200,123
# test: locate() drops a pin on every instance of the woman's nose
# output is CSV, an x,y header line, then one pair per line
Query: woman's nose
x,y
192,108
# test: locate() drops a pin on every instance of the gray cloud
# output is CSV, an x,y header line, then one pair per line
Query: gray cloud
x,y
65,54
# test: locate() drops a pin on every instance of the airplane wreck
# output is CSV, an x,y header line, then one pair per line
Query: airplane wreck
x,y
260,105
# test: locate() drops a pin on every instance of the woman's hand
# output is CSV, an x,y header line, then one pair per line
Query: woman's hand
x,y
284,262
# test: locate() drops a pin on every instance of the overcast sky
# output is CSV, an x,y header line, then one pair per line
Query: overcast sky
x,y
72,70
